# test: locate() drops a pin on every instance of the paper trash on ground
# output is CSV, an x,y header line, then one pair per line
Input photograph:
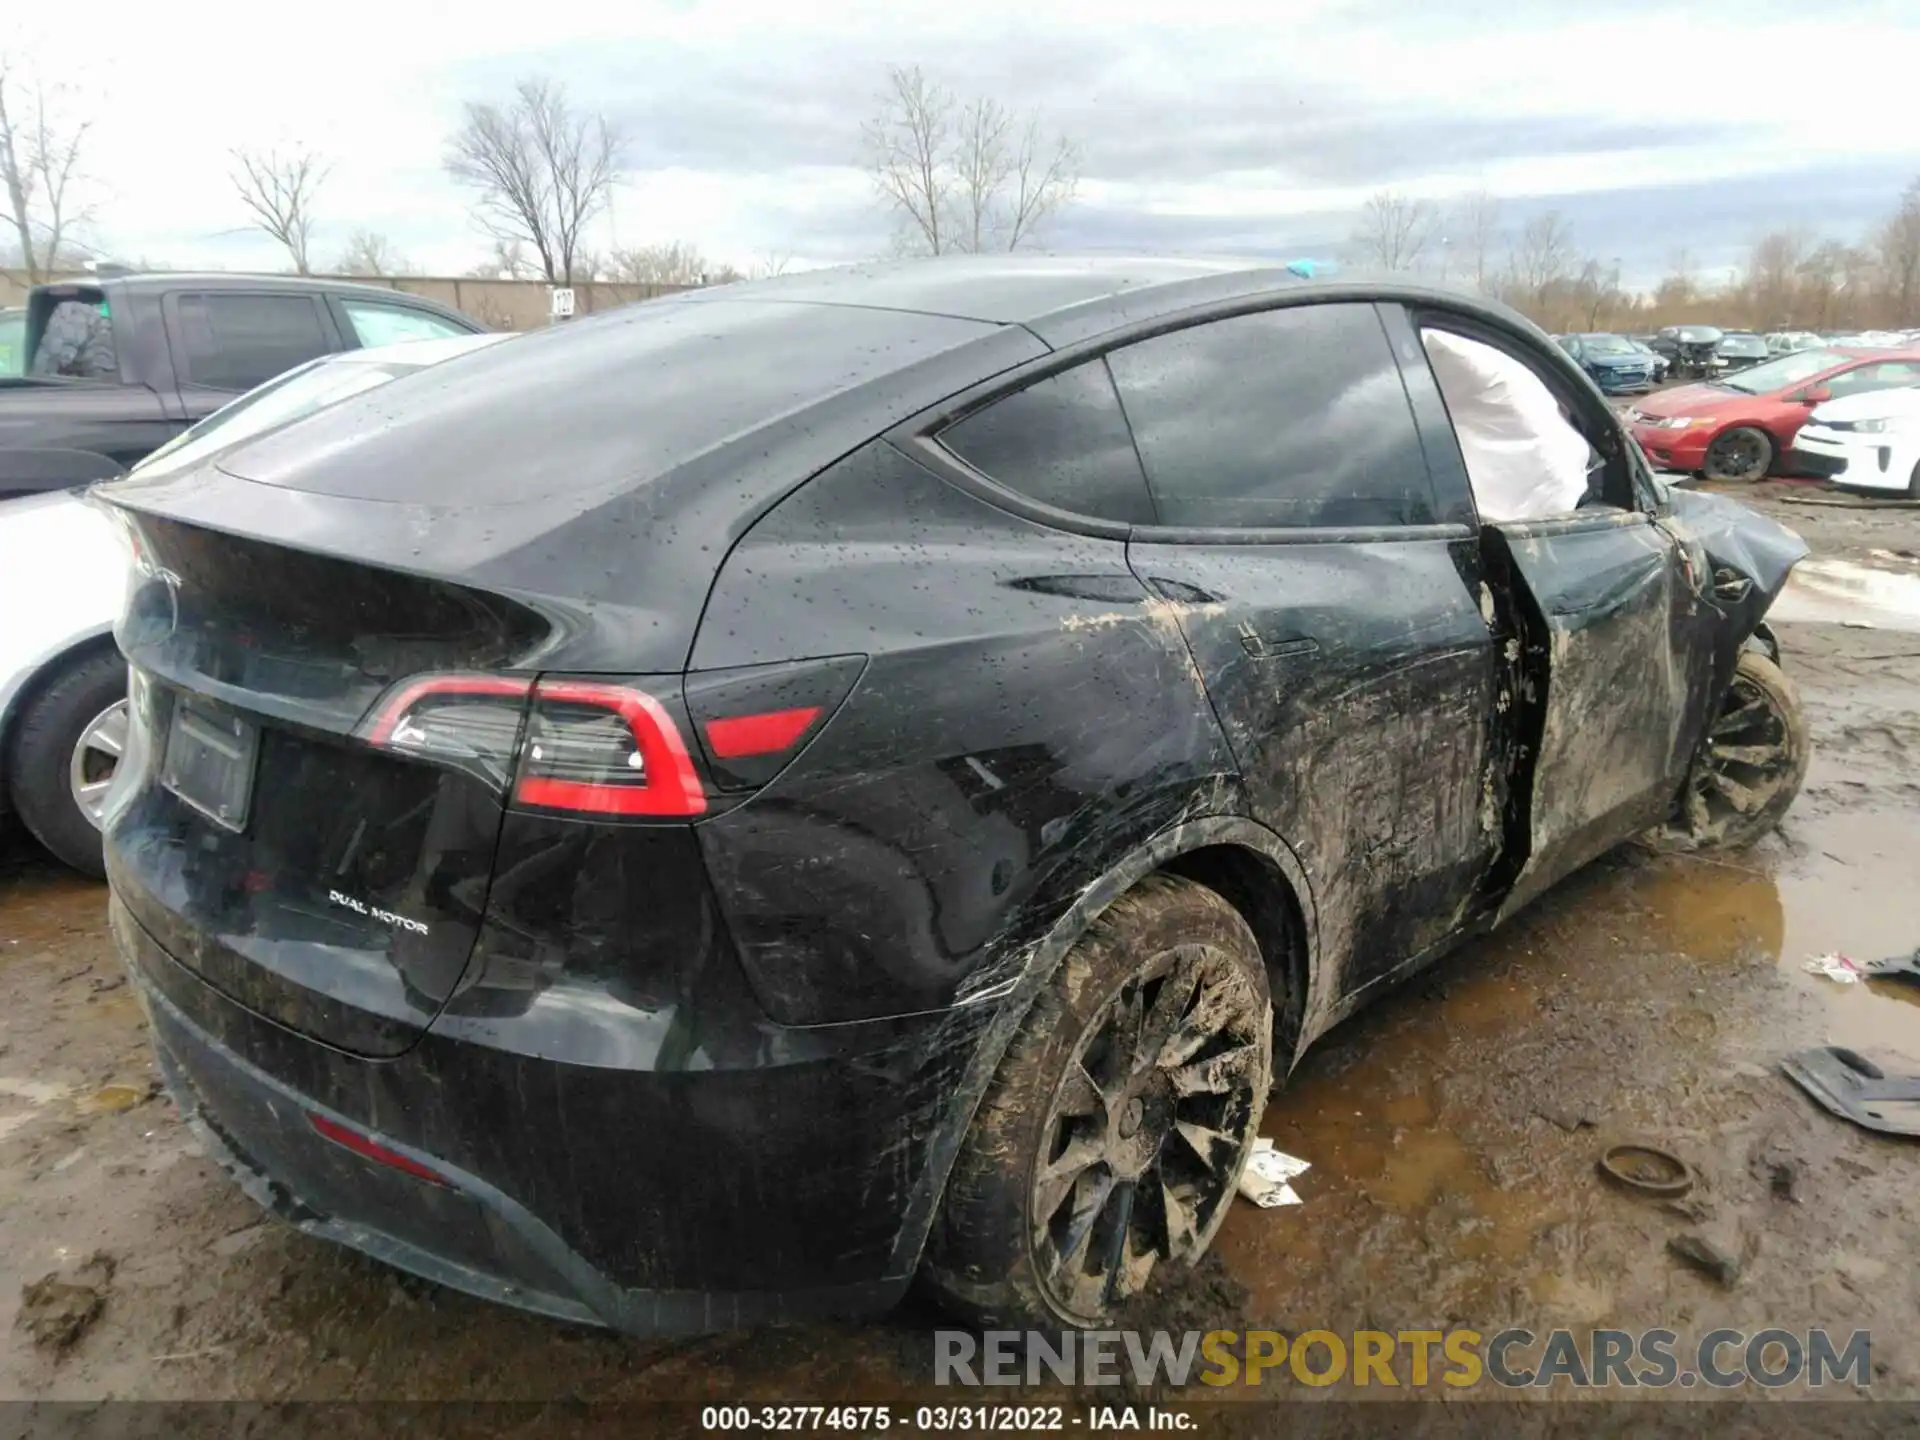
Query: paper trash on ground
x,y
1835,967
1264,1181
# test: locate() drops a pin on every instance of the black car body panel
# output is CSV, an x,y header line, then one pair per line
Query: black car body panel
x,y
687,1031
140,389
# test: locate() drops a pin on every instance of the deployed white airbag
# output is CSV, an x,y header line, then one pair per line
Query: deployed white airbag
x,y
1524,460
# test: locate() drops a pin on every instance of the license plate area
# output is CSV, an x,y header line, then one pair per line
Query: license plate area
x,y
209,763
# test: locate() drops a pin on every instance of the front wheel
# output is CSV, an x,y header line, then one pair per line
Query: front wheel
x,y
1741,455
1109,1146
1751,767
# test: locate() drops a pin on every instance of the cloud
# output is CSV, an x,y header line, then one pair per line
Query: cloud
x,y
1239,126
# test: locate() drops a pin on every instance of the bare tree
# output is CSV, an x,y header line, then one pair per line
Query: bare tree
x,y
1540,260
675,263
1773,277
280,190
541,169
972,177
1477,225
1394,230
506,260
369,252
1899,245
1596,291
770,263
40,153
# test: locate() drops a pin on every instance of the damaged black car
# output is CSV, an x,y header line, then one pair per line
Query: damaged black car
x,y
708,813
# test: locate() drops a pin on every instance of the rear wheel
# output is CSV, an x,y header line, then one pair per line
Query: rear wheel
x,y
1752,767
1742,455
1913,482
64,750
1109,1146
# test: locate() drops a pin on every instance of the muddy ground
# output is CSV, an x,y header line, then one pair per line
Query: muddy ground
x,y
1645,999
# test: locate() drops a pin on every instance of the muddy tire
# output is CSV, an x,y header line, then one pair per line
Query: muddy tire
x,y
1108,1148
56,767
1752,767
1740,456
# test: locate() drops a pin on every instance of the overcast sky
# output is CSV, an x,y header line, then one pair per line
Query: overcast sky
x,y
1255,128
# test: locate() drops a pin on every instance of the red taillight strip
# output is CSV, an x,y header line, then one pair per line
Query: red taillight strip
x,y
380,732
672,786
373,1150
767,734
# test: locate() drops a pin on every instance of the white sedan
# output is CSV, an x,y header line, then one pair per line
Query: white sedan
x,y
63,685
1866,442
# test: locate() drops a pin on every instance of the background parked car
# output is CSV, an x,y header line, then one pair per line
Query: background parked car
x,y
1661,364
117,367
1786,342
1741,428
1690,348
1616,366
1869,441
1741,350
63,685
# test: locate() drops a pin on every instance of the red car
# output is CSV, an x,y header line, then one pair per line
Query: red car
x,y
1742,427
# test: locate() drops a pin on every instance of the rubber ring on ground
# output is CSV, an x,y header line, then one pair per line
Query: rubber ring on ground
x,y
1623,1164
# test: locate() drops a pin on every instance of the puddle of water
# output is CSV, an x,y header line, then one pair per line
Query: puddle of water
x,y
1838,591
1855,893
1395,1122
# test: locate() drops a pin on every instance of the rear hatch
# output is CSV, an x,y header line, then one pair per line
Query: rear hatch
x,y
259,834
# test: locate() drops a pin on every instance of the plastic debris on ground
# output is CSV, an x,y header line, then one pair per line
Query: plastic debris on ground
x,y
1855,1088
1265,1180
1835,967
1894,967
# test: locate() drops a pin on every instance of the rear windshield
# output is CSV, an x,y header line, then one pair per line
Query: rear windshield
x,y
589,406
301,391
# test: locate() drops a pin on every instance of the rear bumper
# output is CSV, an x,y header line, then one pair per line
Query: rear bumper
x,y
804,1179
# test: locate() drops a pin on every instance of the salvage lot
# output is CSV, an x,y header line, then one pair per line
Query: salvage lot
x,y
1453,1173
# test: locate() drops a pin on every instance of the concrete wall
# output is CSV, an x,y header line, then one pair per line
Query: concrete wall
x,y
497,304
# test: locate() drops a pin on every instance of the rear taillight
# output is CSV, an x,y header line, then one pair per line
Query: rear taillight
x,y
370,1149
469,722
754,719
582,746
579,746
605,750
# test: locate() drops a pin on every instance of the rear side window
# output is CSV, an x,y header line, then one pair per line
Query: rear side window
x,y
377,324
235,342
1292,417
1062,441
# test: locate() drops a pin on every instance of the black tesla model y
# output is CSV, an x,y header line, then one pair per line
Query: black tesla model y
x,y
702,814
